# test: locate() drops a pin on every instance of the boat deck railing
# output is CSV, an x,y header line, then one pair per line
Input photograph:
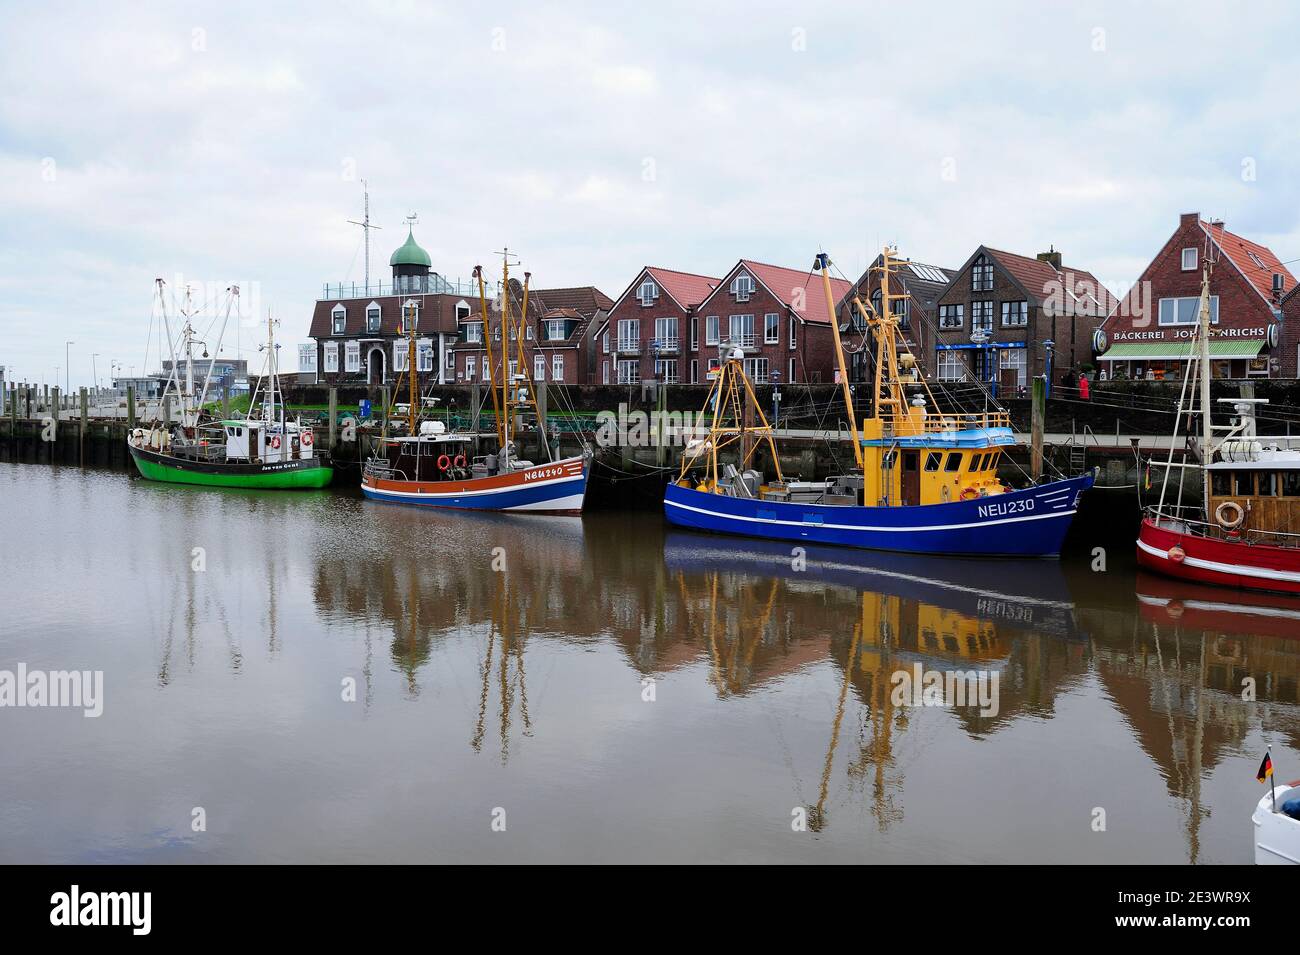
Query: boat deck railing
x,y
936,423
1191,517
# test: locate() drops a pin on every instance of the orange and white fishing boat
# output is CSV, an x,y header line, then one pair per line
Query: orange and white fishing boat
x,y
435,467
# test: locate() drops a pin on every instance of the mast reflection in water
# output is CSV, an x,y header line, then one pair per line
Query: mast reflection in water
x,y
617,692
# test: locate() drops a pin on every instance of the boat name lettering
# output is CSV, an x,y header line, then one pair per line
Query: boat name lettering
x,y
542,474
1002,508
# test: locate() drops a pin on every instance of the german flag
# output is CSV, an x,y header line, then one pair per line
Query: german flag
x,y
1265,768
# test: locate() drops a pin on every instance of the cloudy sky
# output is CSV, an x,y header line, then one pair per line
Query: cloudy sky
x,y
226,143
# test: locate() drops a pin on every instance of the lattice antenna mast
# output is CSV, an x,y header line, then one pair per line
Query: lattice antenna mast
x,y
366,226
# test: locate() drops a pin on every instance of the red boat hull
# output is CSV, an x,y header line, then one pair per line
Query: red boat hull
x,y
1224,563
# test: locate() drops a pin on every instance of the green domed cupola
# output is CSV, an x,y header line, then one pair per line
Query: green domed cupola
x,y
410,253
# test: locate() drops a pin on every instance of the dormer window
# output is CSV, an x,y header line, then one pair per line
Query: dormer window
x,y
474,333
339,319
462,310
742,287
372,317
411,311
647,293
1189,260
981,275
555,330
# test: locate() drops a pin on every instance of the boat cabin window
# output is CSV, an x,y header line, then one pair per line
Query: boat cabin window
x,y
1245,481
1221,483
954,462
1291,483
1266,484
932,461
976,462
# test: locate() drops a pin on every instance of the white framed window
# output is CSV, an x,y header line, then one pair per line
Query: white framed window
x,y
331,356
794,334
981,317
451,359
695,372
790,371
714,365
647,293
1186,311
756,369
557,368
307,358
410,313
771,328
496,333
666,332
629,371
474,332
514,368
711,330
1015,314
351,356
695,333
471,365
539,368
528,332
604,372
399,356
666,370
462,310
1014,359
629,335
1190,258
604,343
952,316
555,330
742,286
338,319
981,275
951,367
372,317
740,330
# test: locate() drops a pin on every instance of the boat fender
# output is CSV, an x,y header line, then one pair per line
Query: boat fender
x,y
946,494
460,461
306,439
1229,514
1176,554
444,462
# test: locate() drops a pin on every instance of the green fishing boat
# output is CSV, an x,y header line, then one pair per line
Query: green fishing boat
x,y
263,450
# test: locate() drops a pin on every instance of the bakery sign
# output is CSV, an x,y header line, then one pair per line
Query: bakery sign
x,y
1186,333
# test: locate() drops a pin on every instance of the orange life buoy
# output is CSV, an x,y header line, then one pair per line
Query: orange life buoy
x,y
1176,554
306,439
461,461
444,462
275,442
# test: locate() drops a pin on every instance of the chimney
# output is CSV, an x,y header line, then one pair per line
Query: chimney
x,y
1277,287
1051,257
1189,218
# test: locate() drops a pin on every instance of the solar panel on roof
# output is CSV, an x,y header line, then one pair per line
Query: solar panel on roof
x,y
928,272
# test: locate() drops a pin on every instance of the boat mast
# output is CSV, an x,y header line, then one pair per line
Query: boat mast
x,y
487,345
1207,428
526,373
505,364
822,263
410,365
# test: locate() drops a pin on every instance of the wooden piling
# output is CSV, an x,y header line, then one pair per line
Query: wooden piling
x,y
130,407
334,418
1037,424
85,425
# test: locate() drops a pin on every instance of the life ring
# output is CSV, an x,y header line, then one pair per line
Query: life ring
x,y
1176,554
969,494
306,439
460,461
275,442
444,462
1229,508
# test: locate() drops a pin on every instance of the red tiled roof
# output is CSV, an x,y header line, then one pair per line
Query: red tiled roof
x,y
686,288
1239,251
1038,278
783,282
584,299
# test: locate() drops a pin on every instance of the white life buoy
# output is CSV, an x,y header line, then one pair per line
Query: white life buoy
x,y
1229,514
275,442
306,439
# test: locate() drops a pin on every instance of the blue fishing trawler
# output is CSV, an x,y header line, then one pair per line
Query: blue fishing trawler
x,y
925,481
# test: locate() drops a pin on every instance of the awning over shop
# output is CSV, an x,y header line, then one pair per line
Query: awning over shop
x,y
1175,351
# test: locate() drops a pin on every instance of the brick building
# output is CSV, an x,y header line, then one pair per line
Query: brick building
x,y
1000,309
1149,333
652,330
918,315
557,335
1290,334
672,325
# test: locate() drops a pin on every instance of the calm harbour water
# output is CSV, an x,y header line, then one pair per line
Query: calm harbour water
x,y
526,690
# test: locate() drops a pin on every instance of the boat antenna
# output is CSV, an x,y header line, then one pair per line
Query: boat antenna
x,y
822,263
366,226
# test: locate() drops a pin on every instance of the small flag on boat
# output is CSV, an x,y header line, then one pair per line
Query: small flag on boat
x,y
1265,768
1147,479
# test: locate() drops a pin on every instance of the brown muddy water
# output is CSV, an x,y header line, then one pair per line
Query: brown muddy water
x,y
604,689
